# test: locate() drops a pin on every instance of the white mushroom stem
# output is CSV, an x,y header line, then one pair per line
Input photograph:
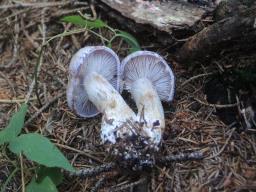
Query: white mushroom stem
x,y
150,109
109,102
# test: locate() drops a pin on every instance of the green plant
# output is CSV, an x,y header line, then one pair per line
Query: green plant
x,y
34,147
97,24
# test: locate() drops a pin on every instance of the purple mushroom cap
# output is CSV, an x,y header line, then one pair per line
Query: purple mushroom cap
x,y
150,65
99,59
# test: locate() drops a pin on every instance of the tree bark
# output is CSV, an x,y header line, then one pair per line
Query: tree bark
x,y
229,33
164,20
163,16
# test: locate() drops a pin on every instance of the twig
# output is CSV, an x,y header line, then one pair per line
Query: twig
x,y
3,187
73,149
197,155
54,76
98,184
216,105
40,58
40,5
224,146
195,77
22,173
66,28
177,181
165,172
15,45
247,115
9,82
29,37
94,13
245,188
84,152
43,108
88,17
66,33
15,100
13,15
93,171
34,83
153,180
66,12
128,186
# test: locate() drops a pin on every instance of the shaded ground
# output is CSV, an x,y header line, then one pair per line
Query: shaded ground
x,y
230,162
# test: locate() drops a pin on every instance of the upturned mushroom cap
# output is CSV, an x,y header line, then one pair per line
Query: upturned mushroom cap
x,y
99,59
150,65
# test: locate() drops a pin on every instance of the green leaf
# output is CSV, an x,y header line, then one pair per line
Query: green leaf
x,y
78,20
39,149
53,172
46,185
135,46
15,125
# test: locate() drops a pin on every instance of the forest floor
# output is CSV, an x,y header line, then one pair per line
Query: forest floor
x,y
229,162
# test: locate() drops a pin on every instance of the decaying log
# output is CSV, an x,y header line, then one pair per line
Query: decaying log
x,y
163,19
235,31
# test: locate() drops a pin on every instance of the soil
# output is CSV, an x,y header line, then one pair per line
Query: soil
x,y
193,122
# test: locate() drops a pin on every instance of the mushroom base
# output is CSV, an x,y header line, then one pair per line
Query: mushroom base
x,y
133,152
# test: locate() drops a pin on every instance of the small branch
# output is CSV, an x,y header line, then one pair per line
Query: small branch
x,y
34,83
43,108
94,171
9,82
15,100
4,185
84,152
22,173
87,17
65,33
40,5
36,74
224,146
15,45
217,105
128,186
98,184
40,58
247,187
195,77
197,155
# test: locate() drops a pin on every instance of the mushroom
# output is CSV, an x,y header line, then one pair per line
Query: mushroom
x,y
101,60
149,79
94,87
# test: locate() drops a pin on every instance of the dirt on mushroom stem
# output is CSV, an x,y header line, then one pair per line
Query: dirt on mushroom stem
x,y
150,109
136,151
124,137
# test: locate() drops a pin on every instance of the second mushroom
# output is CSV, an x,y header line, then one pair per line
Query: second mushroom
x,y
149,79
